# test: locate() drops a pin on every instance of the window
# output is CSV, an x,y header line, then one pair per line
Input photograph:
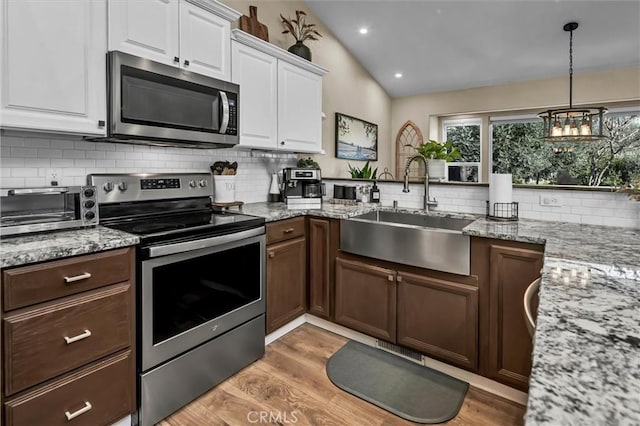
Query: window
x,y
517,148
465,135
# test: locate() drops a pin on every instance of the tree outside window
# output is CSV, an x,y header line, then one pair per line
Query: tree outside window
x,y
465,135
517,148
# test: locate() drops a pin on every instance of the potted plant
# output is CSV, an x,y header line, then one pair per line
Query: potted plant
x,y
365,173
301,31
437,154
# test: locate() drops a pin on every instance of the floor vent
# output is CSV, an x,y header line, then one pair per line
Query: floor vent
x,y
407,353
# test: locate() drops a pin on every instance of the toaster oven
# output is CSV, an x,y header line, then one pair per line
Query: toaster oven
x,y
27,210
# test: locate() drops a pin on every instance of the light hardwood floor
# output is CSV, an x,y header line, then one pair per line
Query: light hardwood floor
x,y
291,384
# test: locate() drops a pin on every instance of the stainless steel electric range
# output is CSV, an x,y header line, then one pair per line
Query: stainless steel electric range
x,y
200,285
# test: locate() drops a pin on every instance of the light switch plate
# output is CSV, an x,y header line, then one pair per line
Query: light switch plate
x,y
550,201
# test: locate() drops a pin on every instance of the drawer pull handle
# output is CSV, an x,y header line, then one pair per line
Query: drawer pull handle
x,y
77,278
399,279
71,416
84,335
272,254
390,278
288,230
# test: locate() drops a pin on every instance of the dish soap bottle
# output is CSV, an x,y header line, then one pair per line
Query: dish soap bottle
x,y
375,194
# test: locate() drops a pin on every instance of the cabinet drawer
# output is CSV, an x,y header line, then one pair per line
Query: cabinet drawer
x,y
285,230
42,343
107,388
33,284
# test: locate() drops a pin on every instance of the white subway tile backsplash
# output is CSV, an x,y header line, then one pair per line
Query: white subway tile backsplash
x,y
37,143
24,152
49,153
24,172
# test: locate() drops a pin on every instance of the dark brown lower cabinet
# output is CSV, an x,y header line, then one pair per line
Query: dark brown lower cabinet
x,y
324,238
439,318
512,270
366,298
286,282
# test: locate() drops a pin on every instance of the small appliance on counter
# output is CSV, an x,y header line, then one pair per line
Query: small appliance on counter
x,y
303,188
27,210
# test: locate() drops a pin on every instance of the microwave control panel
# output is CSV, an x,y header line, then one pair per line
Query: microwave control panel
x,y
232,127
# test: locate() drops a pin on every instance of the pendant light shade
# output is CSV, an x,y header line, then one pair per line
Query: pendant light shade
x,y
572,124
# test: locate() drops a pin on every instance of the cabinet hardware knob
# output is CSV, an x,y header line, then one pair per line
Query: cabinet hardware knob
x,y
71,416
80,277
282,143
101,123
82,336
176,59
399,279
272,254
390,278
288,230
186,62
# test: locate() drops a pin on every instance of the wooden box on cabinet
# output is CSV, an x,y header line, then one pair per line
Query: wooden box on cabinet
x,y
286,272
505,270
68,338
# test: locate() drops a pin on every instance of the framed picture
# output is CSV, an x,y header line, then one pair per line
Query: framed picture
x,y
356,139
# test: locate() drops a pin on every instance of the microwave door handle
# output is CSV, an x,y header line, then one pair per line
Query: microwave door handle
x,y
225,113
29,191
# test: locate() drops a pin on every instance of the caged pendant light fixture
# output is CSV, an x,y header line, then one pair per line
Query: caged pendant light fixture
x,y
572,124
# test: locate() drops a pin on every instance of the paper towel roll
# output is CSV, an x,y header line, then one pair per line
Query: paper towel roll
x,y
500,190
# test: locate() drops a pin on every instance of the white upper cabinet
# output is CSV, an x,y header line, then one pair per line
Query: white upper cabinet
x,y
53,65
257,74
204,42
299,109
191,34
280,96
145,28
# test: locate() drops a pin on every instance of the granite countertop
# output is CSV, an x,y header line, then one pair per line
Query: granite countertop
x,y
21,250
586,356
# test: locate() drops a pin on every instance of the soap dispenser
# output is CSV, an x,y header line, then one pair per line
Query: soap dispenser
x,y
375,194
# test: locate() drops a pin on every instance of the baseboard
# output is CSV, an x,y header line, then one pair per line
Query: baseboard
x,y
275,335
473,379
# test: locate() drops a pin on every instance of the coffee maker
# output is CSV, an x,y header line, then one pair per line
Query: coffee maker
x,y
303,188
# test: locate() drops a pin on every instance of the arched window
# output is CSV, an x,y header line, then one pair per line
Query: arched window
x,y
409,137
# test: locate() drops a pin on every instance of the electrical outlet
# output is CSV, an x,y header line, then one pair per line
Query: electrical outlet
x,y
52,177
550,201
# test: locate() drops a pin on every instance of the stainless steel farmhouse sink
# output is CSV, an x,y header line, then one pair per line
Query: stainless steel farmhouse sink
x,y
432,242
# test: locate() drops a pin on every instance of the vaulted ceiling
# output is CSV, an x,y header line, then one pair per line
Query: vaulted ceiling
x,y
447,45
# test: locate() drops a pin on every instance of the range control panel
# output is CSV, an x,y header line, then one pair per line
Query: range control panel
x,y
120,188
159,183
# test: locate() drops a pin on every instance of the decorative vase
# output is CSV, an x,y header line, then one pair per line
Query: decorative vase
x,y
436,169
301,50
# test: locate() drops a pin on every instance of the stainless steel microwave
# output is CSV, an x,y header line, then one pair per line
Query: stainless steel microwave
x,y
157,104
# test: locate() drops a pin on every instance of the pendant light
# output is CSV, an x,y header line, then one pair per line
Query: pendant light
x,y
572,124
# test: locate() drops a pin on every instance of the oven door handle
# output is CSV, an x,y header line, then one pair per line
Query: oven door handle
x,y
29,191
163,250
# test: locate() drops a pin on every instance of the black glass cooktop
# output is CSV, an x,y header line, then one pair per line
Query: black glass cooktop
x,y
171,226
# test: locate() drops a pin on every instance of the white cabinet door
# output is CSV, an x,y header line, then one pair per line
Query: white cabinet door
x,y
53,65
145,28
257,75
299,109
204,42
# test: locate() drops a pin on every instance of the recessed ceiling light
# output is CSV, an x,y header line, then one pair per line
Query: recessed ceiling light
x,y
363,30
398,75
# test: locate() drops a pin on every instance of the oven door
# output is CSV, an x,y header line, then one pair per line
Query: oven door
x,y
196,290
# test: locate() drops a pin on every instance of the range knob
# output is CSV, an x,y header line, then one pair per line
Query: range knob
x,y
202,183
192,183
88,192
89,204
108,186
122,186
89,215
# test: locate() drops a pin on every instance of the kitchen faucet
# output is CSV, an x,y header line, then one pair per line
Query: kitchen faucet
x,y
427,201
